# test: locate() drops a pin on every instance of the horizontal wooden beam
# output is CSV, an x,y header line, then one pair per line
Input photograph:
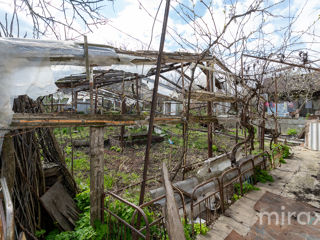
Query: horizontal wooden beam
x,y
30,120
203,96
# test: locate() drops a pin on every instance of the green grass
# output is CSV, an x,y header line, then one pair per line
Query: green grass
x,y
262,176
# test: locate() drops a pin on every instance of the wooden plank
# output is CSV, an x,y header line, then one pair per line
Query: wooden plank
x,y
173,222
60,206
96,173
204,96
9,232
2,221
8,166
30,120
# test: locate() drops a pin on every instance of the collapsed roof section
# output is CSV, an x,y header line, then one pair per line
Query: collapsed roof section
x,y
101,77
72,53
26,67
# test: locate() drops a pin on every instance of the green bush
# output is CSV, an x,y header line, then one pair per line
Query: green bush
x,y
214,148
84,231
308,115
236,197
292,132
198,229
284,149
115,148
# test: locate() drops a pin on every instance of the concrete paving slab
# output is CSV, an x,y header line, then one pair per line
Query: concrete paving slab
x,y
299,179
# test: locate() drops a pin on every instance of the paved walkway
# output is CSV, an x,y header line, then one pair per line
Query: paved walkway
x,y
299,179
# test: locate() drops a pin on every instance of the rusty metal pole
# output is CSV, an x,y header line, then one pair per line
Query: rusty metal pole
x,y
209,113
154,103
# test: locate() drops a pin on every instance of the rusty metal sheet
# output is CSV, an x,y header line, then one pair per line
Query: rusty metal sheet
x,y
273,202
234,236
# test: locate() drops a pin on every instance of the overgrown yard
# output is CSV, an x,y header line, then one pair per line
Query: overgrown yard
x,y
124,166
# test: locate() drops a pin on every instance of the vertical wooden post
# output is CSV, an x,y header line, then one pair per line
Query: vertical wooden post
x,y
71,150
123,110
122,130
89,74
137,95
8,161
262,129
72,98
51,95
96,101
209,113
245,144
96,154
213,107
96,173
75,101
184,133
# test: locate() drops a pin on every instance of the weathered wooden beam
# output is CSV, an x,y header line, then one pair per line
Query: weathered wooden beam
x,y
24,120
166,68
96,173
204,96
30,120
169,81
173,222
9,233
8,166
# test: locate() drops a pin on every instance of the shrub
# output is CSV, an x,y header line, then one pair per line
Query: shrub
x,y
284,149
292,132
214,148
84,231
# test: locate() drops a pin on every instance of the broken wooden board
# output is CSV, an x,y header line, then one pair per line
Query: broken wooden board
x,y
52,174
60,206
